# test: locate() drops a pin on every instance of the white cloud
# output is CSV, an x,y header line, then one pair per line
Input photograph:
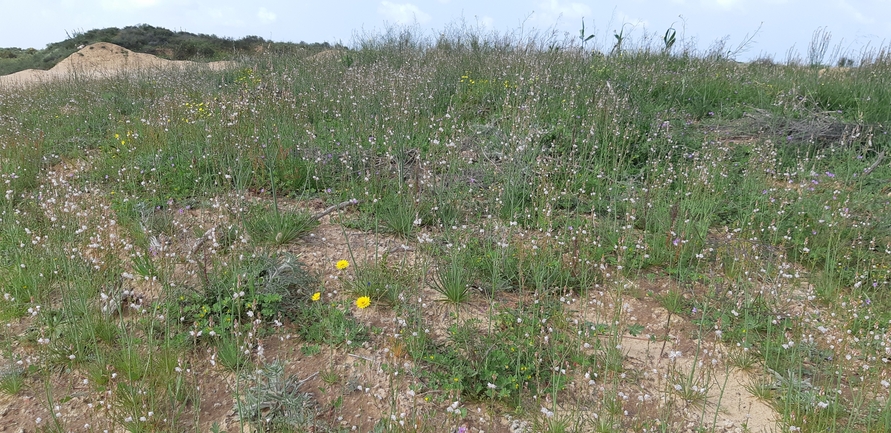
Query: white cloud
x,y
266,16
485,21
855,13
402,13
123,5
632,22
553,10
225,16
726,4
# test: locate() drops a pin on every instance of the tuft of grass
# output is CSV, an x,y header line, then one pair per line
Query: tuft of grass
x,y
452,281
401,215
12,379
233,352
273,227
380,282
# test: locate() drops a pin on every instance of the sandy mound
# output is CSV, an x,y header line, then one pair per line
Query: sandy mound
x,y
103,60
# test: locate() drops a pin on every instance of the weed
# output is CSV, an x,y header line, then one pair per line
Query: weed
x,y
400,215
380,282
275,401
267,226
12,379
452,281
233,352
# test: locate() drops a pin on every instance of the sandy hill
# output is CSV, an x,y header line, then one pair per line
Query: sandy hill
x,y
102,60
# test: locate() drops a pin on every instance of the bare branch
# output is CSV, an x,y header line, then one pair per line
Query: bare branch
x,y
875,164
338,206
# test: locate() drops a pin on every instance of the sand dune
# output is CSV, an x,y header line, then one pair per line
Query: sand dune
x,y
102,60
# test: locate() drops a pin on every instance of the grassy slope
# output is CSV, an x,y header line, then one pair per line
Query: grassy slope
x,y
525,173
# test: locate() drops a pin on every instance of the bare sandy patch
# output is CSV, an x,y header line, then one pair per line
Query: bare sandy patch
x,y
102,60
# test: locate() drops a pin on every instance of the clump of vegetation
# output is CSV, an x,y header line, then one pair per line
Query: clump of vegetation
x,y
264,287
273,401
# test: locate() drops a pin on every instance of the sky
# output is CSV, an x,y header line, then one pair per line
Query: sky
x,y
771,27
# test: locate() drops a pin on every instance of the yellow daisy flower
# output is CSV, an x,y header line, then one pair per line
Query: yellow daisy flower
x,y
363,302
343,264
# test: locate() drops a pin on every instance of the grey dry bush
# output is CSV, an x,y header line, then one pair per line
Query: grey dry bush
x,y
274,400
287,276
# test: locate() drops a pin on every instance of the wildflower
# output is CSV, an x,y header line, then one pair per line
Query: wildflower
x,y
363,302
343,264
316,296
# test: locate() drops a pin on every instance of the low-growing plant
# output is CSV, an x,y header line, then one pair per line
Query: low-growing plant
x,y
263,287
271,226
274,401
516,356
494,263
452,281
12,378
233,352
401,215
324,322
379,282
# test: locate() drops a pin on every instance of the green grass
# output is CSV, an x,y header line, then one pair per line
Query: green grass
x,y
578,192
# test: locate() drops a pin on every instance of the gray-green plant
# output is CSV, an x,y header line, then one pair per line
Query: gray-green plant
x,y
274,401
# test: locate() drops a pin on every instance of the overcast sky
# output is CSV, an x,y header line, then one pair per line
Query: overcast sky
x,y
783,23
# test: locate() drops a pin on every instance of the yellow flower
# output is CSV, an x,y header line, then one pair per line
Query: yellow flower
x,y
363,302
316,296
343,264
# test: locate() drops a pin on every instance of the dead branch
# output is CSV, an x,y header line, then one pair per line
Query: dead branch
x,y
875,164
207,235
338,206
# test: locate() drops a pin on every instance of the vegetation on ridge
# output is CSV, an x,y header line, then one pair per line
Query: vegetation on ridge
x,y
148,39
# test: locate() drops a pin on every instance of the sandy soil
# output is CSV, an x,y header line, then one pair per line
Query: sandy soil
x,y
102,60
